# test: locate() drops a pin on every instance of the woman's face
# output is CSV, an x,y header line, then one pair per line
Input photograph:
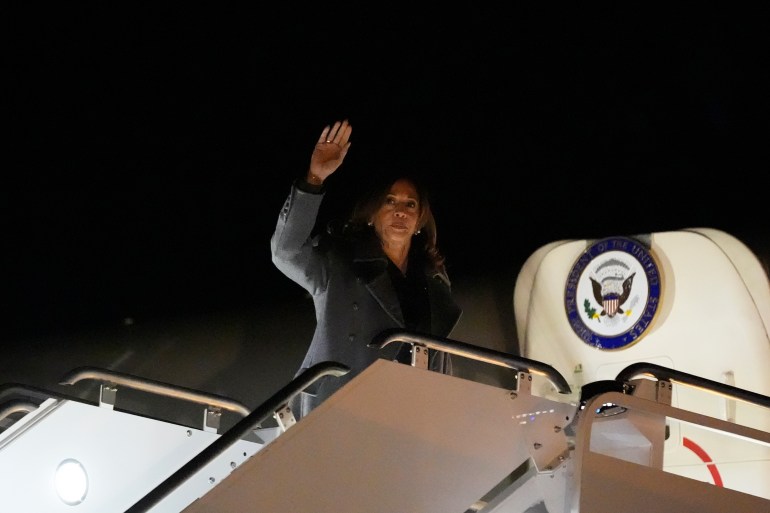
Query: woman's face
x,y
396,219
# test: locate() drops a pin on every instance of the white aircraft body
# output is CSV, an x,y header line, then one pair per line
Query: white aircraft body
x,y
640,383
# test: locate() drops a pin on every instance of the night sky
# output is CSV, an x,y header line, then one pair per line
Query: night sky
x,y
151,149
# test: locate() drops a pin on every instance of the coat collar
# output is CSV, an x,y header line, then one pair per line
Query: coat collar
x,y
370,265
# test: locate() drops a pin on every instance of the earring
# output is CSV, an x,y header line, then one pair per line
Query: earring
x,y
369,223
417,232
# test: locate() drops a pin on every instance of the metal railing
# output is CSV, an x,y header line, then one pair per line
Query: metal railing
x,y
155,387
664,373
243,428
481,354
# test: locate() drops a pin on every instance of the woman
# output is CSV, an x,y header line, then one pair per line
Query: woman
x,y
381,270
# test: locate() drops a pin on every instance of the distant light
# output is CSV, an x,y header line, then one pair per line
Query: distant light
x,y
71,482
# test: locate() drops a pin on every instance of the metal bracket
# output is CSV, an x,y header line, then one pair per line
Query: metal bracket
x,y
212,418
108,395
285,417
420,356
659,391
523,383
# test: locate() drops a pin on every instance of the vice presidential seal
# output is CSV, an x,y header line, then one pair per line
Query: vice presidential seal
x,y
613,293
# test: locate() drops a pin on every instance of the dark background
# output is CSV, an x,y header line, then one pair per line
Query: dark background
x,y
149,150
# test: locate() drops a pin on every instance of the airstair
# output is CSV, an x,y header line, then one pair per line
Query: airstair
x,y
656,422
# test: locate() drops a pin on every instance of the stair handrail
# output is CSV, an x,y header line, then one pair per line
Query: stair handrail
x,y
240,430
664,373
155,387
16,406
517,363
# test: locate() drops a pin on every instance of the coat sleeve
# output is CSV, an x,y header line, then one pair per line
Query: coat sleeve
x,y
294,250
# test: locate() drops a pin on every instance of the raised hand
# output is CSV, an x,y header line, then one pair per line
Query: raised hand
x,y
329,151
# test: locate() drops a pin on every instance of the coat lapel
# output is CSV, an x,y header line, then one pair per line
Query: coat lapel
x,y
444,312
371,267
381,288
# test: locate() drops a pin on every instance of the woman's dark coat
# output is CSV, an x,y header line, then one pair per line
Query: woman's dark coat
x,y
352,293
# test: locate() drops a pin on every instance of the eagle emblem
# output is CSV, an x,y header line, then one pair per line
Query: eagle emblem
x,y
612,286
612,292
